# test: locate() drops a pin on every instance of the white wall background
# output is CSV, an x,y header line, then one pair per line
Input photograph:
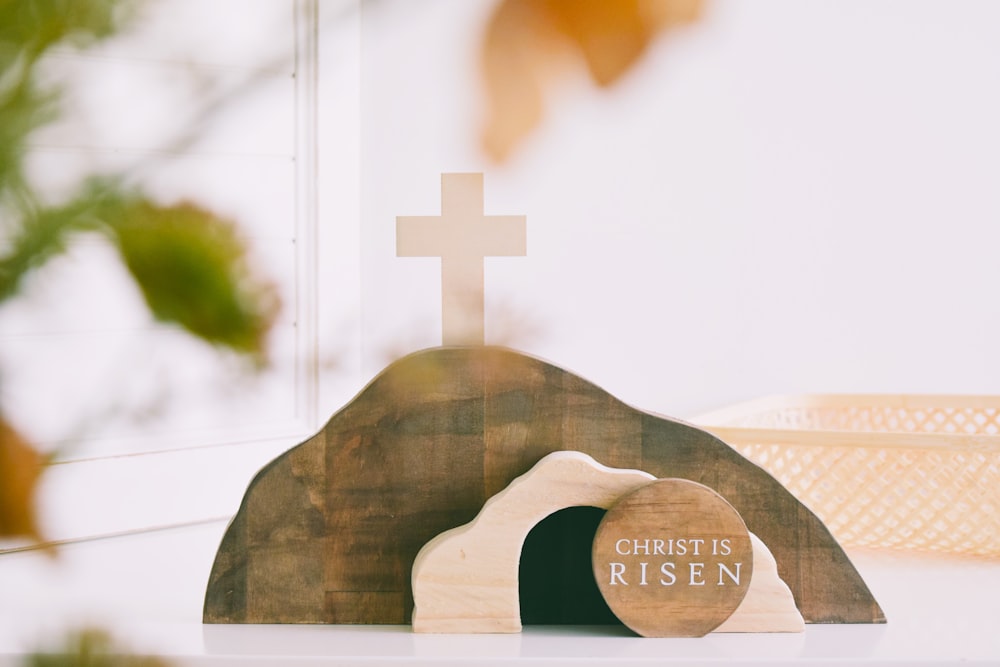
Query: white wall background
x,y
790,196
787,197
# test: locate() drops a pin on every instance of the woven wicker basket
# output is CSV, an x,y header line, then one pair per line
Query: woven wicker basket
x,y
904,472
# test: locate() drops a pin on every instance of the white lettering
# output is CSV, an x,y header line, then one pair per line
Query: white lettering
x,y
734,577
696,576
667,570
617,570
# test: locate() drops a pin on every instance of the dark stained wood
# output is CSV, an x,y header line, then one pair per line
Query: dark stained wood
x,y
327,532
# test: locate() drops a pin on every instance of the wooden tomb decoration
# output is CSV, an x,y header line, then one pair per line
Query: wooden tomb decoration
x,y
328,531
465,580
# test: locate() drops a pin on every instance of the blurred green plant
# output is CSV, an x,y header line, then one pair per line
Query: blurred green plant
x,y
91,648
190,265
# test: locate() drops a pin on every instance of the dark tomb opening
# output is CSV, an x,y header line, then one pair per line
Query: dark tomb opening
x,y
556,578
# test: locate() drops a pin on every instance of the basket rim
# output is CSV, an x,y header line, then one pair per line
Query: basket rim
x,y
719,422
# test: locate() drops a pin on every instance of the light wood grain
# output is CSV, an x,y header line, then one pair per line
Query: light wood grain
x,y
900,464
748,422
768,605
462,236
466,579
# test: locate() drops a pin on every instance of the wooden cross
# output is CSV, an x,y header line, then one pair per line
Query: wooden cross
x,y
462,236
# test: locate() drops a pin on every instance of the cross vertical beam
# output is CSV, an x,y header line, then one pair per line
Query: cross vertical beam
x,y
462,236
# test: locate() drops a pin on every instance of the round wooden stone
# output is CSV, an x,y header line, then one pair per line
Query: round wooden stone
x,y
673,559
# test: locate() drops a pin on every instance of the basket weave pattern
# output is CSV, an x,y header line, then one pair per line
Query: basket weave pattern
x,y
934,498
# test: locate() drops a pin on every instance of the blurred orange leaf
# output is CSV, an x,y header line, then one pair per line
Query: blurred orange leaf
x,y
20,468
527,41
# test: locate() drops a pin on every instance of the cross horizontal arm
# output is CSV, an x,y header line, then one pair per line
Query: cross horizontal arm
x,y
433,236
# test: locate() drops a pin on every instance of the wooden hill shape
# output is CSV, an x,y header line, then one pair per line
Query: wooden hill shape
x,y
328,531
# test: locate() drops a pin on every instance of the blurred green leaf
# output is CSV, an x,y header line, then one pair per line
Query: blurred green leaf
x,y
28,29
191,265
22,109
91,648
36,25
193,270
34,242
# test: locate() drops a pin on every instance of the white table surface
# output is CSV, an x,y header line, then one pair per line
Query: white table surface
x,y
147,590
